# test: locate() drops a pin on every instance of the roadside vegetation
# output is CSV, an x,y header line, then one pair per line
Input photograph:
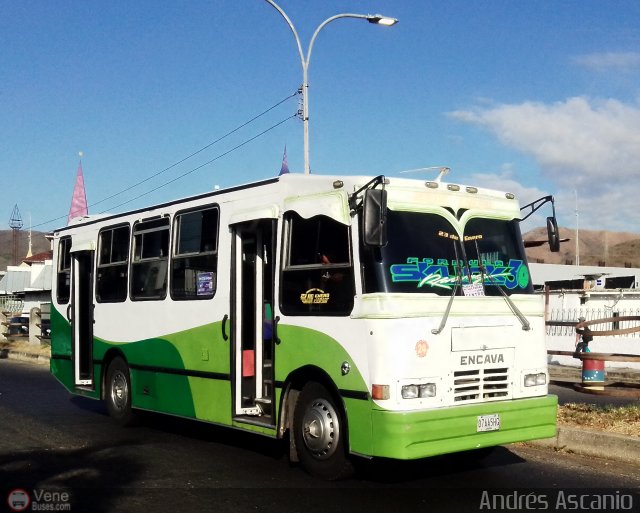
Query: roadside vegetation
x,y
623,420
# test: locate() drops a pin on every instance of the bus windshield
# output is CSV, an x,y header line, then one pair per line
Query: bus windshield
x,y
425,254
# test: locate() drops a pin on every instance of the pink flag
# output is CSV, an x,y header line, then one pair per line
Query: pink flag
x,y
79,199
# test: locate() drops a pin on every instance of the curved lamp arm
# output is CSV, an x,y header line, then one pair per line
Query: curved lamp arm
x,y
376,19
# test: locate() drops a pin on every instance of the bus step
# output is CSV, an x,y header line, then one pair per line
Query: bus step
x,y
264,404
253,412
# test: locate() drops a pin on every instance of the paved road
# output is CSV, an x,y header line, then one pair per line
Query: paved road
x,y
55,443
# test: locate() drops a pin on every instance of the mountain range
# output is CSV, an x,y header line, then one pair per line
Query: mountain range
x,y
39,244
599,248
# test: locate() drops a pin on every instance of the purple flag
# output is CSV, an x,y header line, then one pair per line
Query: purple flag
x,y
79,199
285,165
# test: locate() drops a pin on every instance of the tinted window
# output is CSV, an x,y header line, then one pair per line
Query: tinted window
x,y
113,263
317,275
150,259
496,255
425,254
64,270
195,259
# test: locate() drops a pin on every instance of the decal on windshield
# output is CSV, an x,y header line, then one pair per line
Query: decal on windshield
x,y
315,297
444,274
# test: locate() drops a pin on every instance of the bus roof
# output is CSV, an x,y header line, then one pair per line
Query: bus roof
x,y
403,193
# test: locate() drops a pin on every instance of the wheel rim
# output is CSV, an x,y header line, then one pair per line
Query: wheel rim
x,y
119,391
321,429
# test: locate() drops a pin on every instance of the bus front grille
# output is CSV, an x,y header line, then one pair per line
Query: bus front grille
x,y
481,385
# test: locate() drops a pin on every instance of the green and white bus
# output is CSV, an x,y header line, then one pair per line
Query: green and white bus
x,y
378,317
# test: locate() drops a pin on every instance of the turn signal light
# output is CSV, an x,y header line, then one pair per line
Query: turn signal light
x,y
380,392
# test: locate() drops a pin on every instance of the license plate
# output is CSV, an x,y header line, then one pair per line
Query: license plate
x,y
488,422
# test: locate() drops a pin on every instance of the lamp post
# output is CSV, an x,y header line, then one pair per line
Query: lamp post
x,y
376,19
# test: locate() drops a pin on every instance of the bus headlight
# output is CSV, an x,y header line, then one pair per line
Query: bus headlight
x,y
419,391
428,390
410,391
533,380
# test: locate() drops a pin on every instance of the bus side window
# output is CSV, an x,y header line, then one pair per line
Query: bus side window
x,y
317,276
113,264
150,256
194,263
63,292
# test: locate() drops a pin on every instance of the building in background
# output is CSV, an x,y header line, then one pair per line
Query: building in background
x,y
25,296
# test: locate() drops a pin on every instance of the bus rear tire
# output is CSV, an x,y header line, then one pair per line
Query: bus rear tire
x,y
320,433
118,392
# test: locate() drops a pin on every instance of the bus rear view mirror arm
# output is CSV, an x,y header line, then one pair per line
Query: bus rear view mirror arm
x,y
553,234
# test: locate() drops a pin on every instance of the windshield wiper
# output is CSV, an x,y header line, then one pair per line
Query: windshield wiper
x,y
443,322
526,326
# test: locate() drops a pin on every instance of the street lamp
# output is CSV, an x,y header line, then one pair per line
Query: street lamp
x,y
376,19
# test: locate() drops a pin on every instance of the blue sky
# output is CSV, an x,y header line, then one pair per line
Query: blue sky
x,y
536,98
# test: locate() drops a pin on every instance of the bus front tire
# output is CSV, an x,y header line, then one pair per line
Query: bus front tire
x,y
320,434
118,392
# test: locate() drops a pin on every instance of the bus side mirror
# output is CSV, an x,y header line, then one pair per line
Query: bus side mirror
x,y
553,234
374,217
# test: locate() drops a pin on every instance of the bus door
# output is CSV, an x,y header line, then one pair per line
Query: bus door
x,y
252,300
81,310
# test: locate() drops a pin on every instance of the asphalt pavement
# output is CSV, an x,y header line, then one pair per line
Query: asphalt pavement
x,y
56,443
580,440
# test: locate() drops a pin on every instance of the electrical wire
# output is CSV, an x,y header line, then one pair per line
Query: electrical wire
x,y
205,164
195,152
231,132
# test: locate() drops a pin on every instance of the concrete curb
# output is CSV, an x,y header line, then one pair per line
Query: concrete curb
x,y
589,442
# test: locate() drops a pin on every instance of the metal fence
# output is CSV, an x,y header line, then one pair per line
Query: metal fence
x,y
561,322
11,303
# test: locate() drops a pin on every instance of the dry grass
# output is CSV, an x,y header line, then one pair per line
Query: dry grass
x,y
623,420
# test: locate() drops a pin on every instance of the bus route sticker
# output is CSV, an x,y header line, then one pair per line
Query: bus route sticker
x,y
18,500
473,289
314,297
205,283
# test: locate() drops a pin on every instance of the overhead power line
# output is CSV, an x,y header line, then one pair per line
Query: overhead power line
x,y
206,163
231,132
195,152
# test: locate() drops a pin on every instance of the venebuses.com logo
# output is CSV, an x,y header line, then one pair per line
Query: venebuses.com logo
x,y
19,499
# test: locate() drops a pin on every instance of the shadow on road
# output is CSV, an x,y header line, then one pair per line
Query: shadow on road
x,y
369,472
90,405
202,431
95,477
446,469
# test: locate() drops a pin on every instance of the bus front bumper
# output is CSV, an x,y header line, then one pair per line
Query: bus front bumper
x,y
412,435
